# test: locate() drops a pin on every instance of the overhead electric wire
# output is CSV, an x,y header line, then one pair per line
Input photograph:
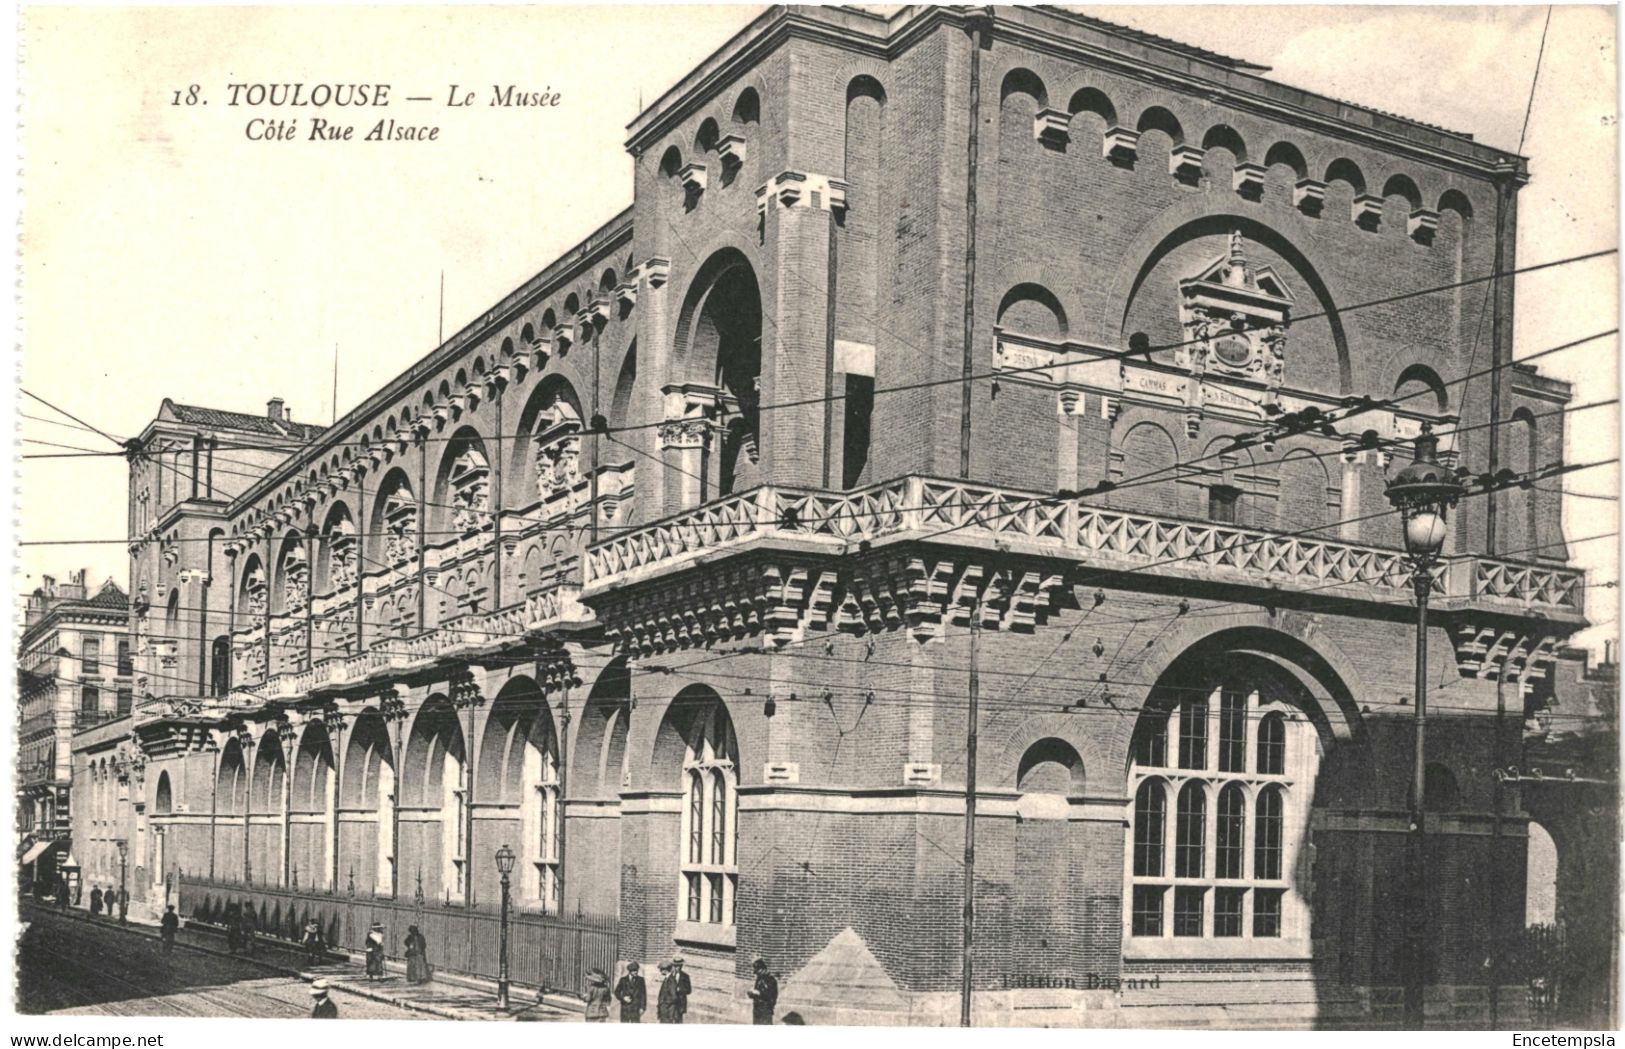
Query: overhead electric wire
x,y
998,373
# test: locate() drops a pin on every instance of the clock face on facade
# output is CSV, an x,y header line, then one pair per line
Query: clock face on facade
x,y
1234,350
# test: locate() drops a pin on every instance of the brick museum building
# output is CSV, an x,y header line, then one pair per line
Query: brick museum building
x,y
676,571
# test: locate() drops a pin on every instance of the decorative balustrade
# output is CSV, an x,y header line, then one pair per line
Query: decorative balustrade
x,y
965,514
1529,584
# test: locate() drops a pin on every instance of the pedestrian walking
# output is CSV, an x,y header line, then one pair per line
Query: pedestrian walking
x,y
251,926
417,956
765,995
666,1000
375,952
234,928
62,894
167,926
323,1008
314,943
632,995
96,903
684,988
598,996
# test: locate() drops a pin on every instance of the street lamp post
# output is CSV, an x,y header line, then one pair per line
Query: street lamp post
x,y
1423,493
123,880
505,861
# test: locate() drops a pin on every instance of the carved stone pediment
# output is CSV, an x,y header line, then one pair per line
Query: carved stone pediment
x,y
1235,316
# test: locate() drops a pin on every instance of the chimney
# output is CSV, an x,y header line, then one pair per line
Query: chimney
x,y
273,409
48,584
74,589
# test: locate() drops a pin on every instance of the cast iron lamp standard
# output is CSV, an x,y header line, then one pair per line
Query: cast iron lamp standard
x,y
505,861
1423,493
123,880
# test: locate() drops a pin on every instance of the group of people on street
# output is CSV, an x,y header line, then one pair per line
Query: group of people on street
x,y
242,926
102,900
671,1001
418,969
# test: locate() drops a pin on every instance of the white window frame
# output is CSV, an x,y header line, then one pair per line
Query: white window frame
x,y
712,880
1295,783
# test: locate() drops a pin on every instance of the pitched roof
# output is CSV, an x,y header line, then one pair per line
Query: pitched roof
x,y
222,419
111,595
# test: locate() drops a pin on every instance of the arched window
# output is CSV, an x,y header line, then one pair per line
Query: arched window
x,y
1150,815
547,832
163,803
710,875
1233,834
1190,830
220,666
1272,744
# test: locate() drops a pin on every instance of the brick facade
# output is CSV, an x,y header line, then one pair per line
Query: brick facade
x,y
647,488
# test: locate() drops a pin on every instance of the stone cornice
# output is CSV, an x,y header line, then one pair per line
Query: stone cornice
x,y
1262,96
1073,38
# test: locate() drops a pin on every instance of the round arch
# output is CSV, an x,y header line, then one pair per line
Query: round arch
x,y
545,458
231,782
1181,224
719,344
163,802
599,751
462,487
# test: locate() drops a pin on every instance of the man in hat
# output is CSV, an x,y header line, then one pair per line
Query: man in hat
x,y
323,1007
632,995
683,990
597,996
96,902
765,995
666,1002
167,927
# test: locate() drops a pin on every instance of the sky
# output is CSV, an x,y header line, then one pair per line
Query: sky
x,y
167,254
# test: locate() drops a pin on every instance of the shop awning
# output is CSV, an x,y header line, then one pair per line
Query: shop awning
x,y
40,848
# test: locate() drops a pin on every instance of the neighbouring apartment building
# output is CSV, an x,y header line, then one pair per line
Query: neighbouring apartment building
x,y
913,372
74,671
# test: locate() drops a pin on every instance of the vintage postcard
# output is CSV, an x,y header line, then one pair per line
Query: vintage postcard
x,y
1096,517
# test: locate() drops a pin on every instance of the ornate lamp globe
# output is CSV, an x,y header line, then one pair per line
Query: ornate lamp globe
x,y
505,861
123,848
1423,493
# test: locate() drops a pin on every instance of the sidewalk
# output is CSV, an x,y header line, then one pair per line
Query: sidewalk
x,y
449,997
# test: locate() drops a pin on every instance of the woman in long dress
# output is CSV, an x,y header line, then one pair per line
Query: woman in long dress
x,y
417,956
375,952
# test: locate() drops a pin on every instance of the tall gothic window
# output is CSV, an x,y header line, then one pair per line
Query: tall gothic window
x,y
709,871
1233,830
547,833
